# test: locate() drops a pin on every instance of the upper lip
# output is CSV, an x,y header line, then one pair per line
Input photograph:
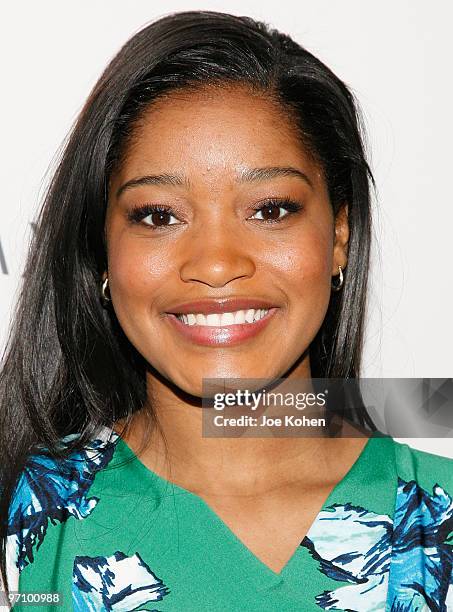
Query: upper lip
x,y
230,304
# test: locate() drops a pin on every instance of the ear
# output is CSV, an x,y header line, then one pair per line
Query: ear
x,y
104,275
340,246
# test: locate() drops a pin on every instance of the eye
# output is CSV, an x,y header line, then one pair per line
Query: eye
x,y
152,215
160,216
270,210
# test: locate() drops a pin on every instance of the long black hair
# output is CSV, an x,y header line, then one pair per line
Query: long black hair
x,y
68,367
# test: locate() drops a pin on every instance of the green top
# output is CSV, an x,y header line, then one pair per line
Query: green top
x,y
105,536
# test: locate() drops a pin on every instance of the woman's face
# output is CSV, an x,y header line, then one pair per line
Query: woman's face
x,y
210,160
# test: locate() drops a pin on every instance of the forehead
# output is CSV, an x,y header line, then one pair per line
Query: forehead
x,y
220,128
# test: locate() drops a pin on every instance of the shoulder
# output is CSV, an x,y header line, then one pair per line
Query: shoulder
x,y
422,529
49,490
428,469
424,501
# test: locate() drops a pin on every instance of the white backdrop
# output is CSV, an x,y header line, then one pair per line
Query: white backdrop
x,y
396,56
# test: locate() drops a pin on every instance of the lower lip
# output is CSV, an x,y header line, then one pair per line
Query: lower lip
x,y
229,335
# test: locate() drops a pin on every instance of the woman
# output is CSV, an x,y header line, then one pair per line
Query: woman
x,y
210,218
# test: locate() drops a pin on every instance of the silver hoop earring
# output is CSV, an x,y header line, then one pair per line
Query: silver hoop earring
x,y
104,296
338,286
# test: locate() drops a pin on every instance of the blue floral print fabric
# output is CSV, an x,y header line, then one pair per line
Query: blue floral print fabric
x,y
118,541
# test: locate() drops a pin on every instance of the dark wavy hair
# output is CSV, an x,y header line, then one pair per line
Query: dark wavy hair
x,y
68,367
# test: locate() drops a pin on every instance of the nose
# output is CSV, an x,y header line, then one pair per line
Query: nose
x,y
215,256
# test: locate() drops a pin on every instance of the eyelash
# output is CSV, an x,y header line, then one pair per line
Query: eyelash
x,y
138,213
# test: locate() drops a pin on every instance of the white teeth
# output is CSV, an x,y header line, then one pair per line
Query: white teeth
x,y
213,319
249,315
239,317
225,318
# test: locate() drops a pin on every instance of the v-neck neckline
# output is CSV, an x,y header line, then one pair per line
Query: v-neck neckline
x,y
265,576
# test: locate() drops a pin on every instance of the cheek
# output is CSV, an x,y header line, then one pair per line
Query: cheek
x,y
313,263
306,261
309,276
137,280
135,271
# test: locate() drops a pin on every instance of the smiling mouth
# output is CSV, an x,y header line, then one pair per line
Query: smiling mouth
x,y
224,319
222,322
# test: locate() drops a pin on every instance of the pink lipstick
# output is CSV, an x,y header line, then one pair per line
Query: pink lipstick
x,y
221,322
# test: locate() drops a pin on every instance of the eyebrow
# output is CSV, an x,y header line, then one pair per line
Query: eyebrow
x,y
154,179
249,175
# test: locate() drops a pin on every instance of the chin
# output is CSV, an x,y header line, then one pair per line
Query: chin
x,y
239,379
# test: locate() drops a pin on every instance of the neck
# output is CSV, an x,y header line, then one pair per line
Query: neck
x,y
178,451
